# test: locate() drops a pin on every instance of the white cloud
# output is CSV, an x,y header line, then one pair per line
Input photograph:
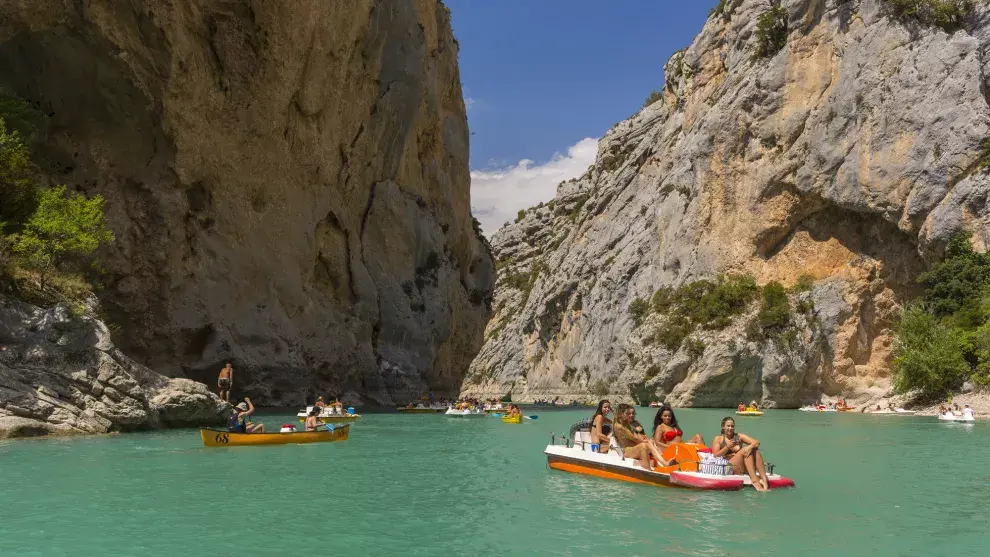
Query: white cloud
x,y
468,102
497,195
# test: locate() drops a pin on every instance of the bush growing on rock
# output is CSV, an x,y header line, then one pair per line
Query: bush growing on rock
x,y
771,31
62,232
928,355
945,338
18,190
704,303
949,15
653,97
638,310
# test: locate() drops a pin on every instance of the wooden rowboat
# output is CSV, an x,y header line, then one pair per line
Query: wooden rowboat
x,y
223,438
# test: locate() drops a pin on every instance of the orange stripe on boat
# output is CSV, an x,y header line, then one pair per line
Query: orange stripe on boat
x,y
578,469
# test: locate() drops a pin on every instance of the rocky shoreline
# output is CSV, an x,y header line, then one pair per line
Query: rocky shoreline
x,y
60,374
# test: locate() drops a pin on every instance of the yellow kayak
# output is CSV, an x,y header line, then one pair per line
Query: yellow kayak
x,y
512,419
750,412
223,438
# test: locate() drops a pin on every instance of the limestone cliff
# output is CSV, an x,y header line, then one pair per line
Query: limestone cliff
x,y
850,156
62,375
287,182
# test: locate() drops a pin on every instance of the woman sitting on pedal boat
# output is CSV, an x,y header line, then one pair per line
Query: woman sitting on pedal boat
x,y
635,445
601,426
729,445
666,430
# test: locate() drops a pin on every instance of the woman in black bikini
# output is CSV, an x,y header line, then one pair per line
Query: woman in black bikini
x,y
729,445
601,426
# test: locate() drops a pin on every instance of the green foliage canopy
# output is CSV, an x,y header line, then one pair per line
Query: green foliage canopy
x,y
62,230
18,191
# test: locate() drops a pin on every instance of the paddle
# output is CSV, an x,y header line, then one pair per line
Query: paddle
x,y
533,417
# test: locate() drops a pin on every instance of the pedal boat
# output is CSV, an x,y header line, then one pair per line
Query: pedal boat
x,y
464,412
575,455
223,438
328,417
512,419
959,418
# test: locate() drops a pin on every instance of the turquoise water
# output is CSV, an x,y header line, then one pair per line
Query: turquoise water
x,y
431,485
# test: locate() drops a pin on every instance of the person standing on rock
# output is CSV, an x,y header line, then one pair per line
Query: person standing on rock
x,y
225,382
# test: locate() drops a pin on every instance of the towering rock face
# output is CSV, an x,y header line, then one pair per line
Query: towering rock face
x,y
287,181
848,157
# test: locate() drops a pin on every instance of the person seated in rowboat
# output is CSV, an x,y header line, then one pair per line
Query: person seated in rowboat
x,y
666,431
730,445
238,422
311,420
741,407
635,445
601,426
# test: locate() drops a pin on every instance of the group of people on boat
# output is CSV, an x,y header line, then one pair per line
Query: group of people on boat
x,y
753,407
728,447
954,410
512,410
335,407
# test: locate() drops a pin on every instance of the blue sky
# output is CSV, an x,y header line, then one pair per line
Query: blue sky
x,y
542,75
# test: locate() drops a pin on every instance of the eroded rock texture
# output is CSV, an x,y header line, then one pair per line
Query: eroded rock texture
x,y
851,155
287,182
62,375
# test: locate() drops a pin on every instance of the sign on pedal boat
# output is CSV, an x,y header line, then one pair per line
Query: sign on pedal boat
x,y
223,438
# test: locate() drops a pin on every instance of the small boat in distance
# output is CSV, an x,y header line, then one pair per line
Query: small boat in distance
x,y
750,411
894,412
423,408
223,438
966,416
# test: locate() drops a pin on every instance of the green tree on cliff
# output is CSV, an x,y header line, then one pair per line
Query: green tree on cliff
x,y
62,231
944,339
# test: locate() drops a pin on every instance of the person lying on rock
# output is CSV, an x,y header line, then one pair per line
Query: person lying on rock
x,y
238,422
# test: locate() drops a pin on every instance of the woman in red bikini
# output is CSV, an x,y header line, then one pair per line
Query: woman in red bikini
x,y
666,431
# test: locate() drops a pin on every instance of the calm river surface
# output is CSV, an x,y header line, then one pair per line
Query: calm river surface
x,y
432,485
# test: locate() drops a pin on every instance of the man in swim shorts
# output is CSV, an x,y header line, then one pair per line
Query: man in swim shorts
x,y
225,381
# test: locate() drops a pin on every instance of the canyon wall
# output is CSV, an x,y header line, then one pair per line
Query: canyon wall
x,y
287,182
846,159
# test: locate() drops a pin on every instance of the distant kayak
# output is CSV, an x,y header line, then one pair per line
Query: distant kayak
x,y
223,438
749,412
517,419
